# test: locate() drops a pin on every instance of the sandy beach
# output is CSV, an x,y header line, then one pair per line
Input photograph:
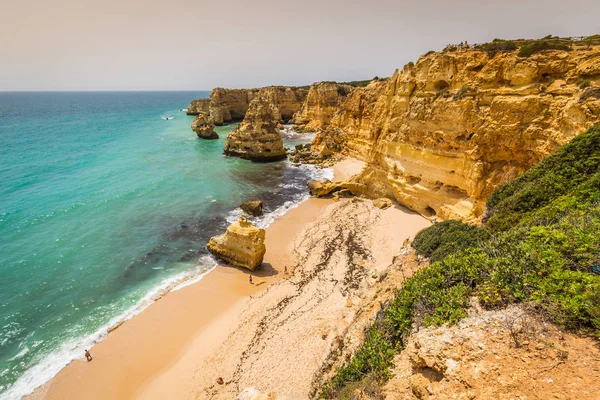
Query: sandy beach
x,y
274,335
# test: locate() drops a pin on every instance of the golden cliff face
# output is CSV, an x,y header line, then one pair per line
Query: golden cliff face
x,y
322,102
258,138
226,105
198,106
229,104
442,134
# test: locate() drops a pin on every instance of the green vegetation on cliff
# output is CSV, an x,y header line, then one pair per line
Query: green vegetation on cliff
x,y
540,244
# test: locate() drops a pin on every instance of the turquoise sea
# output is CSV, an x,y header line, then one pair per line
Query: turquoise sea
x,y
104,204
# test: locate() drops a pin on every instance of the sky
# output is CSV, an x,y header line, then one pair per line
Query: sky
x,y
199,45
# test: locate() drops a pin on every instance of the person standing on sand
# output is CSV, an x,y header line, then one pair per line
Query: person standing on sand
x,y
250,279
88,356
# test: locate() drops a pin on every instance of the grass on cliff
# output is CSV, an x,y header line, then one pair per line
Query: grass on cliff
x,y
540,244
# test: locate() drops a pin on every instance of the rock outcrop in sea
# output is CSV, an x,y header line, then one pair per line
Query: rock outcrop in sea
x,y
441,134
198,106
227,105
254,207
242,245
204,127
257,138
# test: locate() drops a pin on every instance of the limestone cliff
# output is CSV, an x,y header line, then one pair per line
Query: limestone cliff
x,y
230,104
322,102
226,105
258,138
198,106
242,244
204,127
442,134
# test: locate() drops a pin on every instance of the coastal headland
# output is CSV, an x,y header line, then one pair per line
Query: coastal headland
x,y
437,141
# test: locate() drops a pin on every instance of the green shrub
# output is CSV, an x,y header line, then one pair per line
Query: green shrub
x,y
537,46
446,238
570,171
538,246
498,45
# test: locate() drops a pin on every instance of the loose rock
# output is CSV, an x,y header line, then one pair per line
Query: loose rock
x,y
254,208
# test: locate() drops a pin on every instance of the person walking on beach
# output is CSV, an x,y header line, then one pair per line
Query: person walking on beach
x,y
88,356
250,279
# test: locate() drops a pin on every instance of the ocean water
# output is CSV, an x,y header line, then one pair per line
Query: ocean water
x,y
104,205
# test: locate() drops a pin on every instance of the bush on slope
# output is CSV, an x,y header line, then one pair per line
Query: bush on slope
x,y
540,244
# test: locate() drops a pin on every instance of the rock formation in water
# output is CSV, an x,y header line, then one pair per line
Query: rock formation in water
x,y
322,102
442,134
198,106
257,138
204,127
242,244
254,208
227,105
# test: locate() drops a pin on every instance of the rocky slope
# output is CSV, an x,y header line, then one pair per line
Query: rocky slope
x,y
507,354
322,102
258,138
442,134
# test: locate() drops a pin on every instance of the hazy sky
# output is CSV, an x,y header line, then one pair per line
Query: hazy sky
x,y
197,44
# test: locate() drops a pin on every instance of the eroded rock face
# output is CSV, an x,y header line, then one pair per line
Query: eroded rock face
x,y
506,354
322,103
242,244
198,106
204,127
254,208
325,187
382,203
442,134
257,138
227,105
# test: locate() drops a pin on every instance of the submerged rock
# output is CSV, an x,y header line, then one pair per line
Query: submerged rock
x,y
254,207
204,127
242,244
257,138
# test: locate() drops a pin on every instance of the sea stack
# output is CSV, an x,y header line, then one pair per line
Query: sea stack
x,y
242,244
257,138
204,127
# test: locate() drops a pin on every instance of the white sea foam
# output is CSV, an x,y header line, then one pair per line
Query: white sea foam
x,y
20,354
268,218
51,364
